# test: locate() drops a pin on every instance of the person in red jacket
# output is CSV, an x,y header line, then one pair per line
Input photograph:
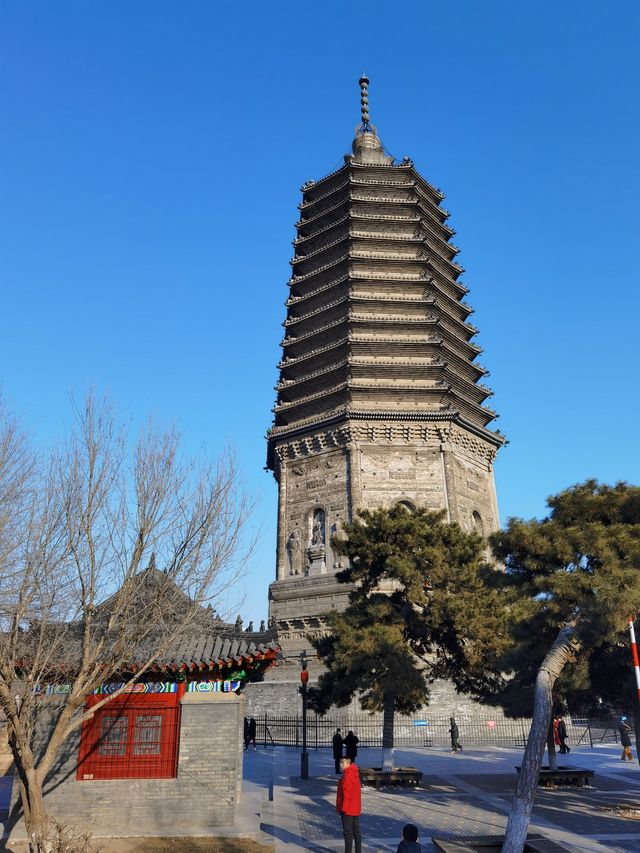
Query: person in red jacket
x,y
348,805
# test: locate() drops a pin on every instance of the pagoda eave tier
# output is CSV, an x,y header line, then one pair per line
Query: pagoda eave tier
x,y
381,363
288,363
325,287
436,336
376,326
388,392
315,375
399,299
344,415
406,168
406,346
435,396
319,215
413,256
324,230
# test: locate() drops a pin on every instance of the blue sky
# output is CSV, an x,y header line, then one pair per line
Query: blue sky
x,y
151,157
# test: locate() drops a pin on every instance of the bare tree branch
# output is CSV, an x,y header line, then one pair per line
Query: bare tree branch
x,y
81,599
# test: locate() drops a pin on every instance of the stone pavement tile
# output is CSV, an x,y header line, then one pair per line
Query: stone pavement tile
x,y
630,845
492,783
582,815
602,782
504,782
437,784
385,813
559,831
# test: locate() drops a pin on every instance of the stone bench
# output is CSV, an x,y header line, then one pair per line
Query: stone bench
x,y
376,776
576,776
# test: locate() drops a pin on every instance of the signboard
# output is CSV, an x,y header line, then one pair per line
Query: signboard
x,y
230,685
53,689
420,723
159,687
213,686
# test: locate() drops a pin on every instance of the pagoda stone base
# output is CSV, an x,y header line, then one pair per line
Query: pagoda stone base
x,y
298,606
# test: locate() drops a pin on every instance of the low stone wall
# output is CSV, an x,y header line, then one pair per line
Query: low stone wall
x,y
277,708
202,796
280,698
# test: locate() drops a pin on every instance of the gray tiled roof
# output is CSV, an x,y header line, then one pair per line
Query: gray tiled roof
x,y
195,651
205,643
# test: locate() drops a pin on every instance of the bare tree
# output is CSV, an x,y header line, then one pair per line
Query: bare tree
x,y
80,598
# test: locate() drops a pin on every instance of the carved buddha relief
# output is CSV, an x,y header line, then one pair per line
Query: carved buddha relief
x,y
316,552
294,552
318,528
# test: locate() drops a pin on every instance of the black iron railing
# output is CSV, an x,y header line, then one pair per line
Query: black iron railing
x,y
416,731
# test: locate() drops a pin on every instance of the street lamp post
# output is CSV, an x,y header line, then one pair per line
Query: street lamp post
x,y
304,679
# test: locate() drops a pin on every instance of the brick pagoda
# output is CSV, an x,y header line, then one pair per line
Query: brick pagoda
x,y
380,398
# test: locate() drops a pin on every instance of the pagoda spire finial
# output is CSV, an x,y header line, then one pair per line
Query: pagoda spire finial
x,y
364,99
366,147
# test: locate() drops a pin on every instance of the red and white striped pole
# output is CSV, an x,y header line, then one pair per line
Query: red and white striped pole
x,y
636,667
634,652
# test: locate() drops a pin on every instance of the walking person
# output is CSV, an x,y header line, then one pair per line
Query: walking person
x,y
246,734
351,745
625,730
455,735
252,732
562,735
349,805
337,749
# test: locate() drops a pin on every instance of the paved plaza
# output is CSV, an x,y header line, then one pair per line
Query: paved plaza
x,y
466,793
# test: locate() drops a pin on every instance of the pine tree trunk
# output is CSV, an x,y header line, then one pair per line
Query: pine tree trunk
x,y
387,732
563,650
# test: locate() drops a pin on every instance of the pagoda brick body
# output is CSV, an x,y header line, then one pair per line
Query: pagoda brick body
x,y
380,399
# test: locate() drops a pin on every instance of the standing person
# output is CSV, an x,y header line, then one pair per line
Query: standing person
x,y
337,749
252,731
246,734
351,745
455,735
409,843
562,734
348,805
625,729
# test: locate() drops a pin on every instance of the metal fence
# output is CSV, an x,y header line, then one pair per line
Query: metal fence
x,y
410,732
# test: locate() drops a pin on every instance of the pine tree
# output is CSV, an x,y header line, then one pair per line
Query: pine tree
x,y
419,610
570,581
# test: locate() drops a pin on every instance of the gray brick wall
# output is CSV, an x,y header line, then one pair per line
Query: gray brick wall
x,y
281,698
202,796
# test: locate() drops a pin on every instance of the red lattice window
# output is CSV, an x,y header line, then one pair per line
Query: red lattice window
x,y
131,737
